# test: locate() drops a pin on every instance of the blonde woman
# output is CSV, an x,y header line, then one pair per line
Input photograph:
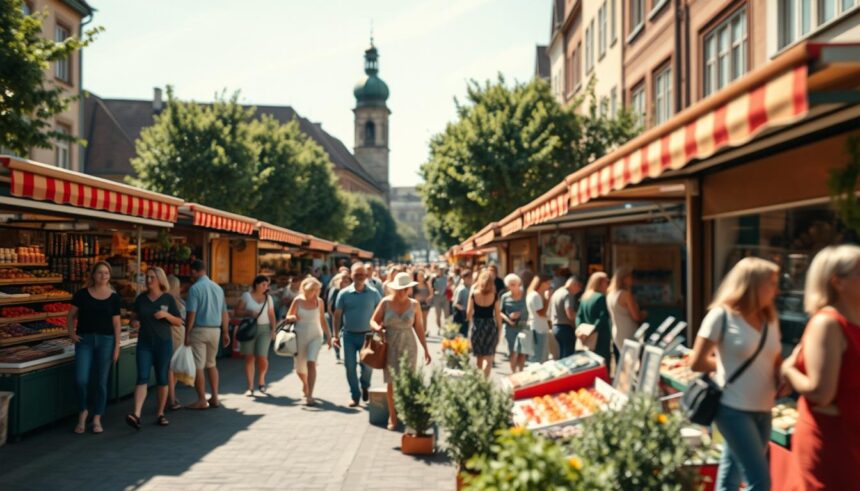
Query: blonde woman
x,y
623,308
742,317
825,369
94,327
593,310
259,303
178,338
307,313
399,317
485,315
155,314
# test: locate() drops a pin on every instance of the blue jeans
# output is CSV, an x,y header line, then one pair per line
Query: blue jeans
x,y
541,350
352,343
94,349
745,452
153,353
566,339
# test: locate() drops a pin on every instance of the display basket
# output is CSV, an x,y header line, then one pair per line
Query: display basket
x,y
613,400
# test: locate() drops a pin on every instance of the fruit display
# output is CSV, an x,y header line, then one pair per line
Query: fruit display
x,y
42,273
13,312
677,368
22,255
559,408
784,416
552,369
9,331
57,293
23,354
14,274
56,307
57,323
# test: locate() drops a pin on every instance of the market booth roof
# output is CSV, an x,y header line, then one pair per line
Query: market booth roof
x,y
204,216
362,254
275,233
317,244
34,181
775,95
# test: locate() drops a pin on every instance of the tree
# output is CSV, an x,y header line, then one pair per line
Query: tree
x,y
202,153
507,146
374,229
358,221
300,189
27,103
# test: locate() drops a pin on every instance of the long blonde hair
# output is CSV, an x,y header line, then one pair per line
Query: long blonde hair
x,y
161,276
484,284
310,284
593,282
829,262
739,290
91,279
618,277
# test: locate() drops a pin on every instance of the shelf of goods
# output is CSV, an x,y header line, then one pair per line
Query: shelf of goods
x,y
554,376
24,298
31,280
23,265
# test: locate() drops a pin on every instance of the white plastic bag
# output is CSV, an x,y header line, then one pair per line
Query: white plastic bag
x,y
183,365
286,343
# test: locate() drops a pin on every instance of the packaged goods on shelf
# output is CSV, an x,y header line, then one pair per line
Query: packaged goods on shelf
x,y
10,331
552,369
676,369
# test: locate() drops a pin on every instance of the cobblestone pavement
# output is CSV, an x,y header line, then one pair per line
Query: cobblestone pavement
x,y
266,442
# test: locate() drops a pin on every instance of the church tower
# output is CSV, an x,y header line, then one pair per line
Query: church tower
x,y
371,120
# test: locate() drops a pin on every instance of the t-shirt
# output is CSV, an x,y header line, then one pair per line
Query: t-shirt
x,y
357,307
509,306
559,300
95,316
461,297
534,303
255,307
440,284
150,327
755,389
206,300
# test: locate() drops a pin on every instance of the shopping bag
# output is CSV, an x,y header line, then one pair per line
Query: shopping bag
x,y
183,365
286,343
373,352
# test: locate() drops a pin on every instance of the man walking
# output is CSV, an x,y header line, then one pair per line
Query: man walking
x,y
440,302
206,322
461,301
563,306
353,308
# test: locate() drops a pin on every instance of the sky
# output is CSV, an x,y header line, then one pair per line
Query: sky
x,y
309,54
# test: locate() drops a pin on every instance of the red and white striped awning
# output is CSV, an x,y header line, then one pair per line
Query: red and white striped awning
x,y
204,216
42,182
279,234
321,245
362,254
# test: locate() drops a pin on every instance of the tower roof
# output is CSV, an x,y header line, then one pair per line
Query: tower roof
x,y
370,89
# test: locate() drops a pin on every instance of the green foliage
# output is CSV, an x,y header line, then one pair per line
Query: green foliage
x,y
636,447
373,228
28,103
471,409
508,146
412,397
291,161
203,153
522,461
842,183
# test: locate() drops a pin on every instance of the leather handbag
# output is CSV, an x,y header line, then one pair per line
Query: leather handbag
x,y
701,398
374,351
247,329
286,343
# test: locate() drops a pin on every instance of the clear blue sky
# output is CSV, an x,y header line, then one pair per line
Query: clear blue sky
x,y
309,54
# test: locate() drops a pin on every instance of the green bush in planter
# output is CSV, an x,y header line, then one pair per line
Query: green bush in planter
x,y
412,397
637,447
471,410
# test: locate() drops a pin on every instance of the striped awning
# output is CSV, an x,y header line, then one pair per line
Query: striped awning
x,y
204,216
345,249
42,182
321,245
362,254
279,234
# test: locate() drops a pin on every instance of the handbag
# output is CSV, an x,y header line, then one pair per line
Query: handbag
x,y
701,398
374,351
286,343
247,329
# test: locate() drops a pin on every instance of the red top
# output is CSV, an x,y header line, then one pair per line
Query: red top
x,y
827,448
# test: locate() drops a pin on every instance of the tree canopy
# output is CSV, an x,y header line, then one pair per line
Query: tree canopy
x,y
508,145
373,228
28,103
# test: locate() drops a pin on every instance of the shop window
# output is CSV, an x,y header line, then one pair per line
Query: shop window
x,y
62,68
790,238
63,148
663,95
725,52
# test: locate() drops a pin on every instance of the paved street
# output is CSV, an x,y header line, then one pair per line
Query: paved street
x,y
270,442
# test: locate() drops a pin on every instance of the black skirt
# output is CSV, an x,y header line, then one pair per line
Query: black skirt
x,y
485,336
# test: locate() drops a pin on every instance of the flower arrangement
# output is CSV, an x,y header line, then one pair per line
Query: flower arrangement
x,y
450,330
456,351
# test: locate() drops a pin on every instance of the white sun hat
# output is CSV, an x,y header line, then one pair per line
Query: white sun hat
x,y
401,282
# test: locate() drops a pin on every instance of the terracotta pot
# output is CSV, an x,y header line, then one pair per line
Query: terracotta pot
x,y
417,444
461,484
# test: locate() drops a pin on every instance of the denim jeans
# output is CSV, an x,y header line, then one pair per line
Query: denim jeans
x,y
153,353
352,343
94,349
566,339
745,452
541,347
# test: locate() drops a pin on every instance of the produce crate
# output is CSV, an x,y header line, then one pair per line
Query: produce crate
x,y
614,399
581,378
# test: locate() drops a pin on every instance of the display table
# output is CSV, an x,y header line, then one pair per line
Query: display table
x,y
575,372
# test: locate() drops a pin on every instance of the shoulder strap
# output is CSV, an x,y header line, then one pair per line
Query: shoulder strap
x,y
265,302
747,363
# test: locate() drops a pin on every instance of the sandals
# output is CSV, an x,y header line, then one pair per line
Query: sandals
x,y
133,421
98,429
175,406
391,426
162,421
80,429
263,388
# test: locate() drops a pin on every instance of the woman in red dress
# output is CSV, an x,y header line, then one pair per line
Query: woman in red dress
x,y
825,370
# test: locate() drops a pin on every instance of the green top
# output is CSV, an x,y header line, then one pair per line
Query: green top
x,y
594,311
371,90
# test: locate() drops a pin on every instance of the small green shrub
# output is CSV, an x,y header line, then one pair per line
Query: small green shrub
x,y
412,397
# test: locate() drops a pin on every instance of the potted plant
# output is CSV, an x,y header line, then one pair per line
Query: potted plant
x,y
412,401
471,409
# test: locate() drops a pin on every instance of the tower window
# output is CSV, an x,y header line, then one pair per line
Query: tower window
x,y
369,134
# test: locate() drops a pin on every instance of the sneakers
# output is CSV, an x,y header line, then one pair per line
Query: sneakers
x,y
249,393
365,394
353,403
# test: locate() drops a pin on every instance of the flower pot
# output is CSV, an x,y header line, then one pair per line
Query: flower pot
x,y
461,472
417,444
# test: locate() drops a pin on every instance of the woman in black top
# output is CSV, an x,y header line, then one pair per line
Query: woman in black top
x,y
96,336
155,312
484,313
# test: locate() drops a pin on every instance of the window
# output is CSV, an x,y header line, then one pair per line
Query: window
x,y
798,18
61,67
613,102
601,30
637,15
725,52
826,10
588,49
637,101
662,95
612,20
369,134
63,148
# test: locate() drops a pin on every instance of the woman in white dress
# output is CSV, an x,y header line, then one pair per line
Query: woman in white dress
x,y
307,313
623,308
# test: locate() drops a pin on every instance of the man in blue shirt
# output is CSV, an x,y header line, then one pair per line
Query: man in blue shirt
x,y
353,309
206,323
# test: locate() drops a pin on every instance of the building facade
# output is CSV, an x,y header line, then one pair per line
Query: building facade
x,y
371,120
555,51
602,52
63,19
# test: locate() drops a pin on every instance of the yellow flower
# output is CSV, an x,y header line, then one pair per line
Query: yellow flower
x,y
575,463
662,418
517,430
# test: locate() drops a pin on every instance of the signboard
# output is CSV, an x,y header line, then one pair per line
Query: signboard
x,y
649,374
220,263
244,261
628,365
